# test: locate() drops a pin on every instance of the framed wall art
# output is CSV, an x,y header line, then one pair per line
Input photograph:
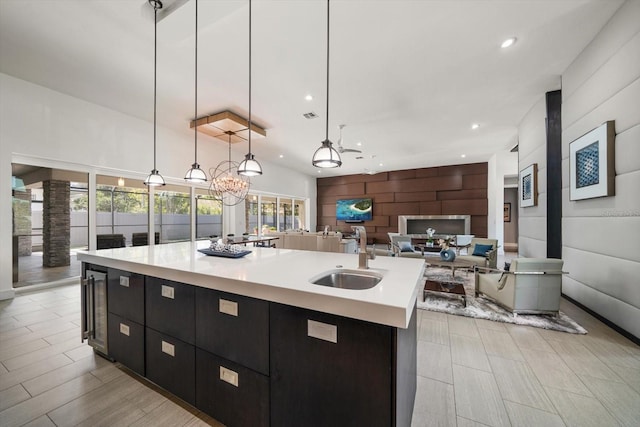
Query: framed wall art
x,y
528,186
507,212
592,163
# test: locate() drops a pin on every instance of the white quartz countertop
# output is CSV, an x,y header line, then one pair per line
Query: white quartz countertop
x,y
279,275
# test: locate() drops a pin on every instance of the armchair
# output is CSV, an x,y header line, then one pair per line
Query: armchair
x,y
532,285
401,246
476,256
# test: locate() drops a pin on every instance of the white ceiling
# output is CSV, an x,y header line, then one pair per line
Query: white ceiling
x,y
408,78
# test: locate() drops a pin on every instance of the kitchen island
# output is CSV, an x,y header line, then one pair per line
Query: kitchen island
x,y
251,341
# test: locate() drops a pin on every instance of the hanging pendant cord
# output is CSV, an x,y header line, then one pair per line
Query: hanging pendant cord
x,y
327,124
249,76
155,66
195,127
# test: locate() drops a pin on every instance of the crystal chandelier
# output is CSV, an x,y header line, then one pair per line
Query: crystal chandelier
x,y
226,185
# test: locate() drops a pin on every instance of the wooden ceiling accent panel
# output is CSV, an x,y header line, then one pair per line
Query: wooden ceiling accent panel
x,y
416,197
218,125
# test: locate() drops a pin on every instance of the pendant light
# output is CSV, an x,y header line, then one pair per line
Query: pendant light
x,y
226,186
195,174
249,166
326,156
154,179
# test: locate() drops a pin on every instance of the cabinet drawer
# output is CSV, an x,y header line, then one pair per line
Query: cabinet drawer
x,y
233,327
171,364
126,342
325,367
230,393
170,308
126,294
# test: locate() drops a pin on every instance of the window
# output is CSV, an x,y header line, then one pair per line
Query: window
x,y
208,215
119,209
271,213
173,214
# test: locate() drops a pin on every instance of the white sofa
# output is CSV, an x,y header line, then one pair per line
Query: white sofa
x,y
302,240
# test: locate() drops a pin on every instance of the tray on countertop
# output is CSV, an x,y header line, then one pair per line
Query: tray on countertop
x,y
224,254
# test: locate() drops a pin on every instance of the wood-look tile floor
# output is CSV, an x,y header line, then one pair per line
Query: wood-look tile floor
x,y
470,373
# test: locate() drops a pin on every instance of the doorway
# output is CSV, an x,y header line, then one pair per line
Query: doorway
x,y
50,223
511,219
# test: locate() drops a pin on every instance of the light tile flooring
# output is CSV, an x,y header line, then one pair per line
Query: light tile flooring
x,y
470,373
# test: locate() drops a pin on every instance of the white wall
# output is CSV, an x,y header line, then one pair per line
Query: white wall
x,y
500,165
601,237
532,148
46,128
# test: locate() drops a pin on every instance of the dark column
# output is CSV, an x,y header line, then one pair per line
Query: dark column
x,y
56,223
554,174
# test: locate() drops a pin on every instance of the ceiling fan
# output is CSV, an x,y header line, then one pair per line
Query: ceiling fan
x,y
341,149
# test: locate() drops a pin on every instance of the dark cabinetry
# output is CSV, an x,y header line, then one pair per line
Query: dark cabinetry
x,y
231,393
170,308
170,335
171,364
125,296
233,327
339,376
126,343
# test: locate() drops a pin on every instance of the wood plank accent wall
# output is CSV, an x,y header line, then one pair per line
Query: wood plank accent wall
x,y
444,190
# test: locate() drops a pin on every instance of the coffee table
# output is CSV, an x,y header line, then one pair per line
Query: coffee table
x,y
441,287
439,262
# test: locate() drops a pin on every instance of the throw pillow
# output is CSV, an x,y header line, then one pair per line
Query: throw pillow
x,y
481,250
405,247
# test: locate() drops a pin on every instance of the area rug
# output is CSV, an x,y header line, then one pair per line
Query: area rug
x,y
485,308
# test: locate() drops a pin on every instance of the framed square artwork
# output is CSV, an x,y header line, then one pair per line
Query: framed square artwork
x,y
592,164
528,186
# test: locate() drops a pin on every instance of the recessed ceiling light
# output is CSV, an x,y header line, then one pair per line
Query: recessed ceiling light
x,y
319,171
359,144
281,155
380,164
309,97
508,42
475,126
463,155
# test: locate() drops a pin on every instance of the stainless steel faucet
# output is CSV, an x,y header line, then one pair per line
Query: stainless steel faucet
x,y
363,255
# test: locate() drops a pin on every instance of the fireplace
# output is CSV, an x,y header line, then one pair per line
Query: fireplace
x,y
443,224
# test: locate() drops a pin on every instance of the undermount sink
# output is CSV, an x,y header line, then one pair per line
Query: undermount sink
x,y
348,279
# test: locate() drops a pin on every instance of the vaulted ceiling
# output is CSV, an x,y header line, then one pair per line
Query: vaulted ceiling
x,y
408,77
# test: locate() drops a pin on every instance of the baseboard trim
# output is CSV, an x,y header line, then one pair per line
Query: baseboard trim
x,y
40,286
606,321
8,294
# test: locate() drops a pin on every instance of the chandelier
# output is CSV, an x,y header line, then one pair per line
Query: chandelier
x,y
226,185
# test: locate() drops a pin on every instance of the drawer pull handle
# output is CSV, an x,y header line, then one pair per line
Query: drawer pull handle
x,y
322,331
228,307
169,349
124,329
124,281
167,292
229,376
